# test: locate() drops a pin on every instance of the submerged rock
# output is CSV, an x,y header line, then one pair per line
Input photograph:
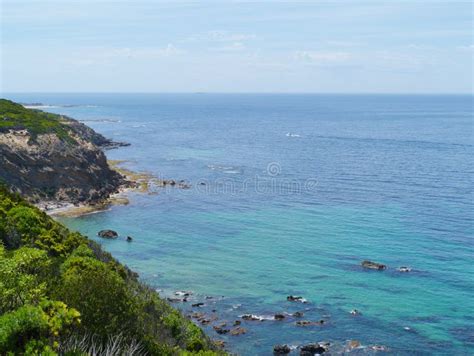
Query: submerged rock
x,y
129,239
107,234
355,312
184,185
252,317
197,315
281,349
353,344
279,316
171,182
312,349
298,314
183,293
237,322
177,300
379,348
404,269
238,331
219,343
309,323
197,305
373,265
220,329
293,298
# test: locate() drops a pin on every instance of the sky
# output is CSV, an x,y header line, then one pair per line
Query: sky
x,y
237,46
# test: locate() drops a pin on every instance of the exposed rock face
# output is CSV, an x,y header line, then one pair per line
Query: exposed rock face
x,y
54,166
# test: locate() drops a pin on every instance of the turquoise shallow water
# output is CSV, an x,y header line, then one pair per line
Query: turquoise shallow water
x,y
299,189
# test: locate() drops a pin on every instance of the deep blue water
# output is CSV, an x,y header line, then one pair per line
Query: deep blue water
x,y
299,189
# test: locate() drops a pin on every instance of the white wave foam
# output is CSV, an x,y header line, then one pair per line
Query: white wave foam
x,y
289,134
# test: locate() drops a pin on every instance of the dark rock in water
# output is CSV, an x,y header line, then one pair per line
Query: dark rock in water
x,y
238,331
129,239
107,234
184,185
251,317
304,323
237,322
197,305
279,316
281,349
221,330
404,269
168,182
355,312
219,343
197,315
183,293
293,298
373,265
177,300
309,323
312,349
298,314
110,145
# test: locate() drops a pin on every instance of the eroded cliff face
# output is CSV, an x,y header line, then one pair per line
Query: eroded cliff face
x,y
49,167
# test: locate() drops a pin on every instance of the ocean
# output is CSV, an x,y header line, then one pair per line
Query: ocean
x,y
289,193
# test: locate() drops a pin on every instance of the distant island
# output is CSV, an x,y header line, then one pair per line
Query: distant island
x,y
60,293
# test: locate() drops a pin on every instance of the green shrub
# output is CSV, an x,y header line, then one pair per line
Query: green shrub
x,y
35,330
22,277
99,293
29,222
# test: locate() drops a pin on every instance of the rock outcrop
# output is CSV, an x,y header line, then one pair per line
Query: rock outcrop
x,y
373,265
51,157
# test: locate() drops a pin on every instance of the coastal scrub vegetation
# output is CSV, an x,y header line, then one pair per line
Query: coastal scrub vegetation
x,y
60,293
16,117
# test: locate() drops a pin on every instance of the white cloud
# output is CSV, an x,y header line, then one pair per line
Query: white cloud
x,y
232,47
222,36
322,58
466,48
101,55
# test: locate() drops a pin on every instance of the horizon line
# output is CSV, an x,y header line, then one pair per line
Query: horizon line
x,y
236,93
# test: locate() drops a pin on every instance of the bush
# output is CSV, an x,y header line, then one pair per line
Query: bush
x,y
99,293
22,277
35,330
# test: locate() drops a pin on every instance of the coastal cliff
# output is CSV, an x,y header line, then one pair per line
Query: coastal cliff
x,y
51,157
